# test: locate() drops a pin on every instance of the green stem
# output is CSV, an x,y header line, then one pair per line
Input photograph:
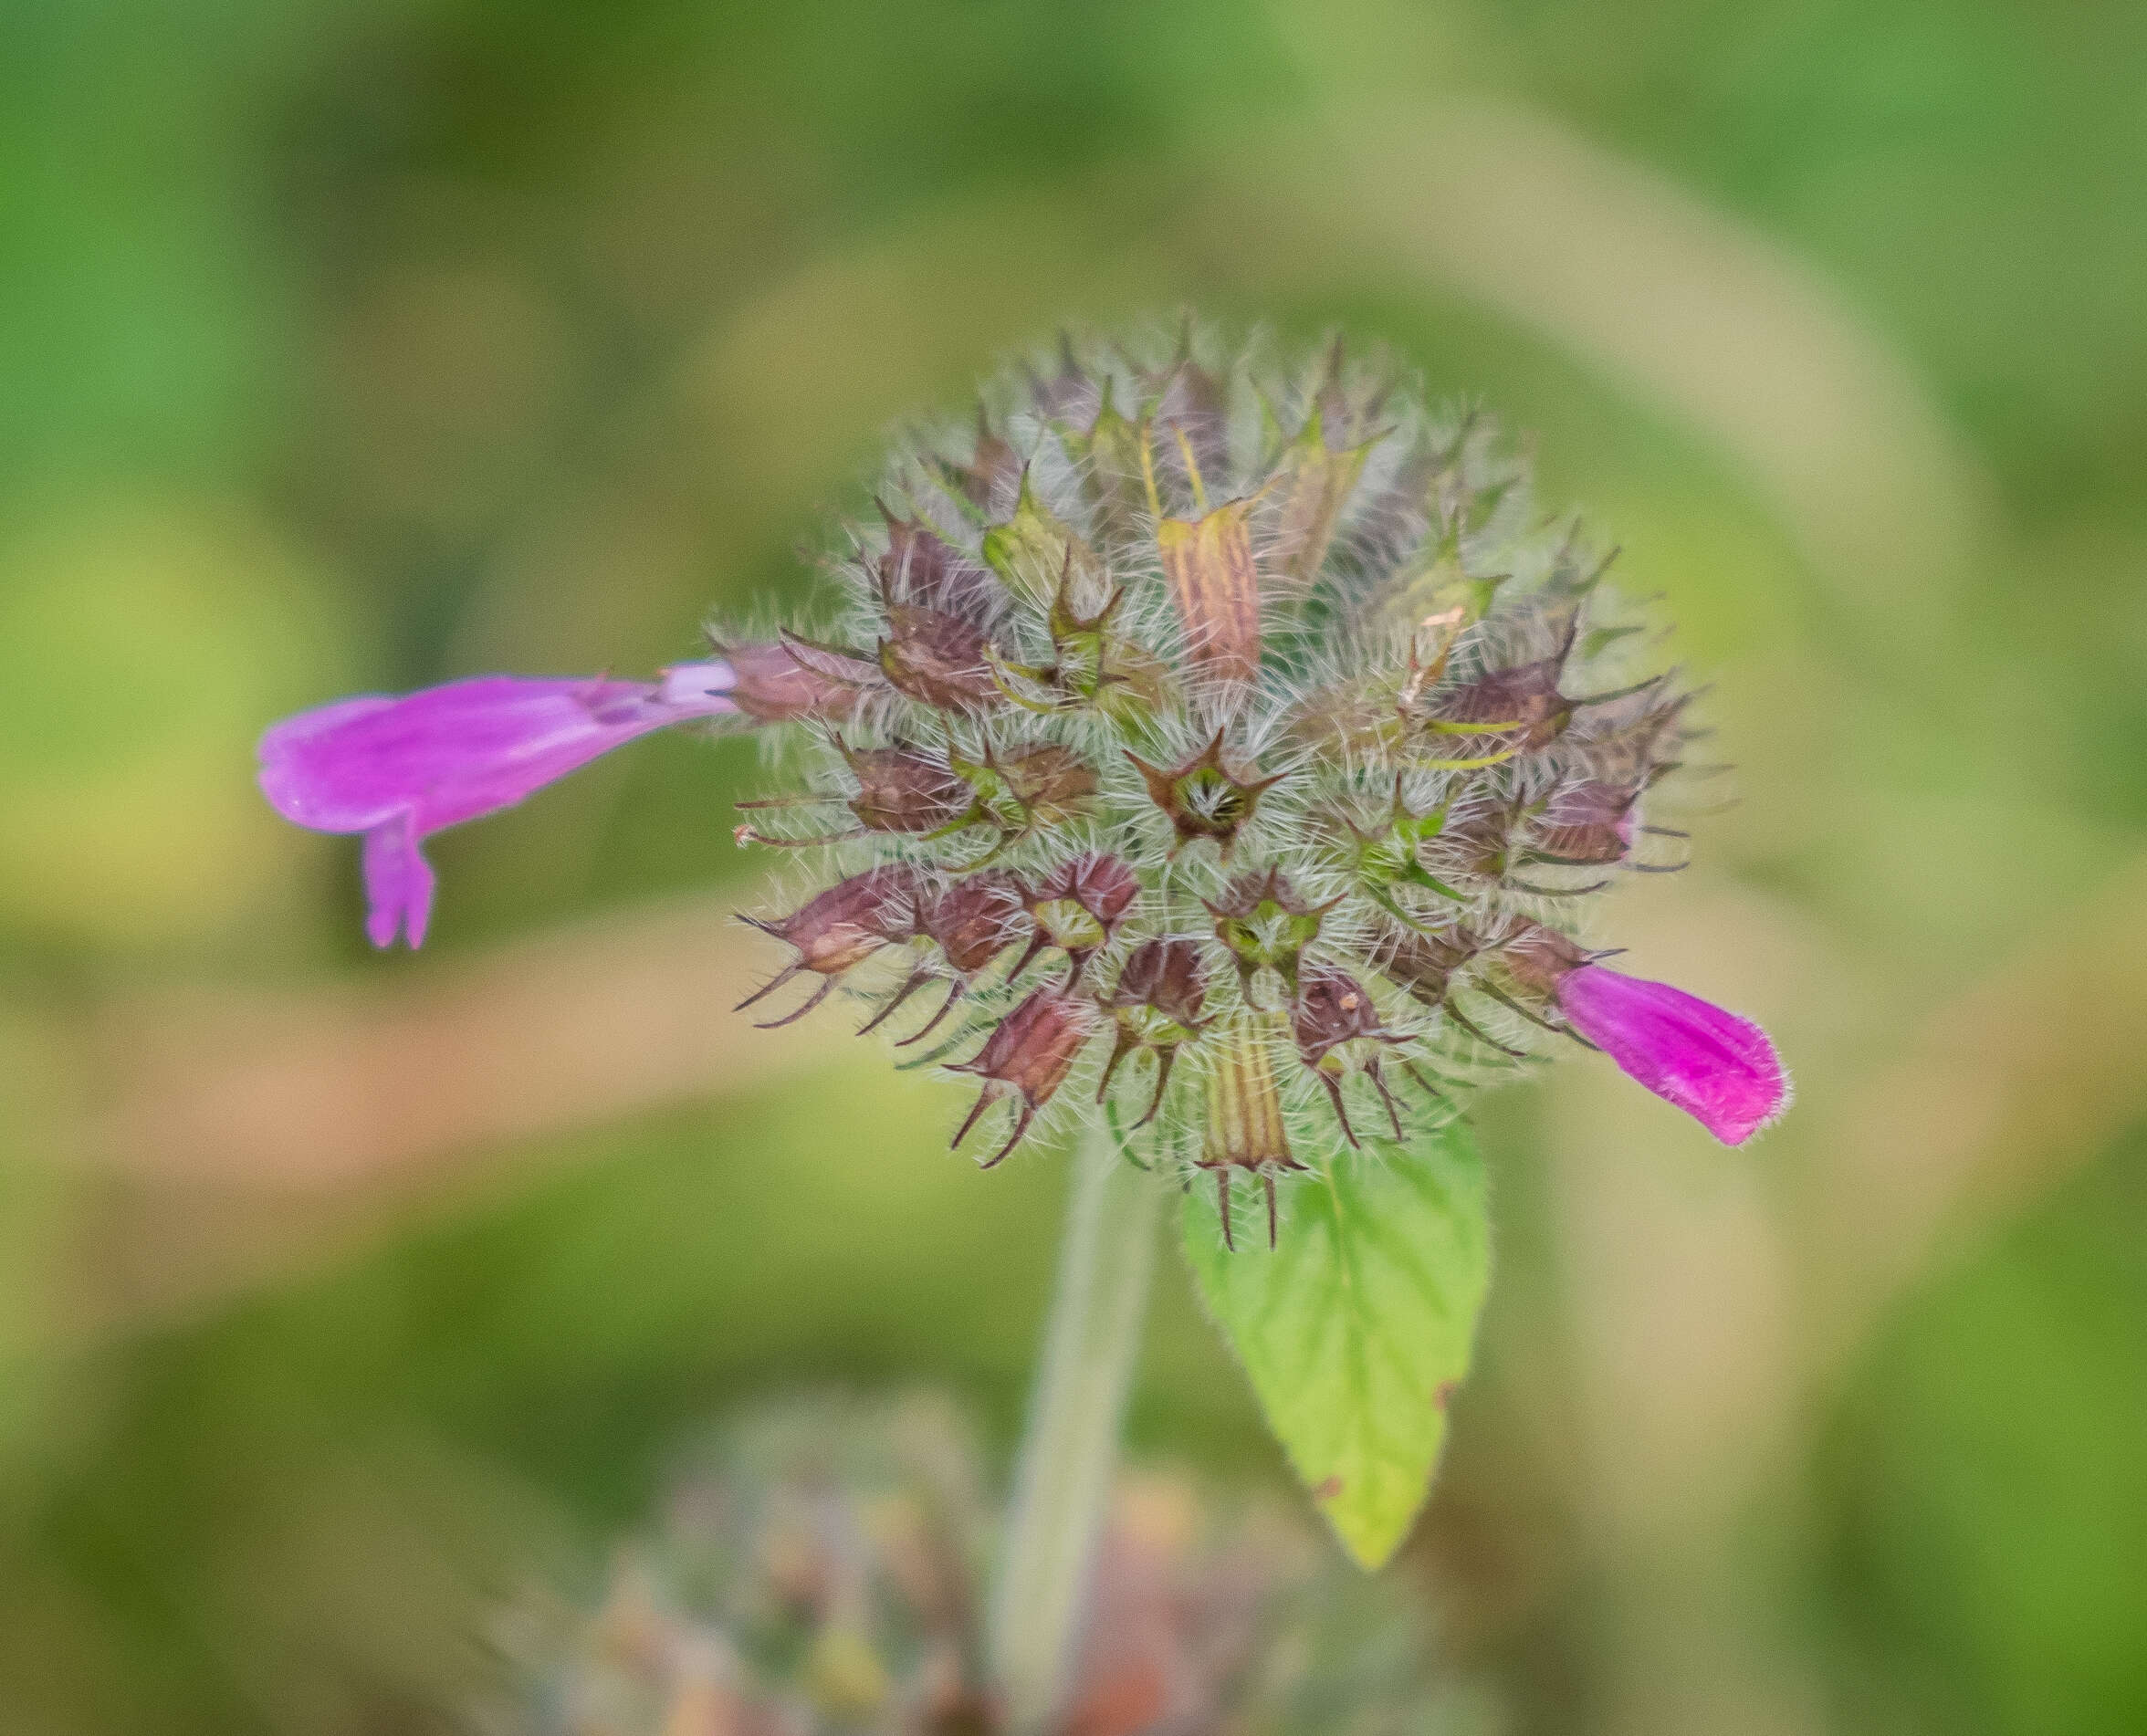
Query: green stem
x,y
1069,1446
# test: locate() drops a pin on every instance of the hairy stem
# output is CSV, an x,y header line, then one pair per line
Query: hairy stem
x,y
1069,1446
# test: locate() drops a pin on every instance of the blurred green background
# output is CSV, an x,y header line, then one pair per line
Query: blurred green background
x,y
359,346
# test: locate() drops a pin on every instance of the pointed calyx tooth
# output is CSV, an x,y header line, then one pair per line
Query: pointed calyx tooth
x,y
971,922
1426,962
1633,736
1266,925
1100,665
1093,667
1202,797
1026,787
1028,1056
842,927
1157,1004
1078,907
1388,854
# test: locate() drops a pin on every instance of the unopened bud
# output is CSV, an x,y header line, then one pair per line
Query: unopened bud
x,y
903,790
1028,1056
842,927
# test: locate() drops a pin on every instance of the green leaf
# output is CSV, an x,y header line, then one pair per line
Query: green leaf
x,y
1358,1324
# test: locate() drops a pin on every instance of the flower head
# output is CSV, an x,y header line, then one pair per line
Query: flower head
x,y
1264,693
1269,698
819,1567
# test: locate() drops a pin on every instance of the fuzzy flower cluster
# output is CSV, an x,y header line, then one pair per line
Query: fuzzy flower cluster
x,y
817,1571
1229,744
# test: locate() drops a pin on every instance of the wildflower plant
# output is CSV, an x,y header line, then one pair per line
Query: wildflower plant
x,y
1211,757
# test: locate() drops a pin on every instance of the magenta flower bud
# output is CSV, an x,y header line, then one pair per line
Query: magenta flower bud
x,y
400,768
1721,1069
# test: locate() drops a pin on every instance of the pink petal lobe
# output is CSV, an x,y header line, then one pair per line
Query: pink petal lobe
x,y
399,885
1717,1067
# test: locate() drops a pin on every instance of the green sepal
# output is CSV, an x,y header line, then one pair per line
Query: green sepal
x,y
1036,553
1109,454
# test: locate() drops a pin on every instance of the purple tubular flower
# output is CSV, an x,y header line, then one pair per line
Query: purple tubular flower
x,y
1718,1068
399,769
